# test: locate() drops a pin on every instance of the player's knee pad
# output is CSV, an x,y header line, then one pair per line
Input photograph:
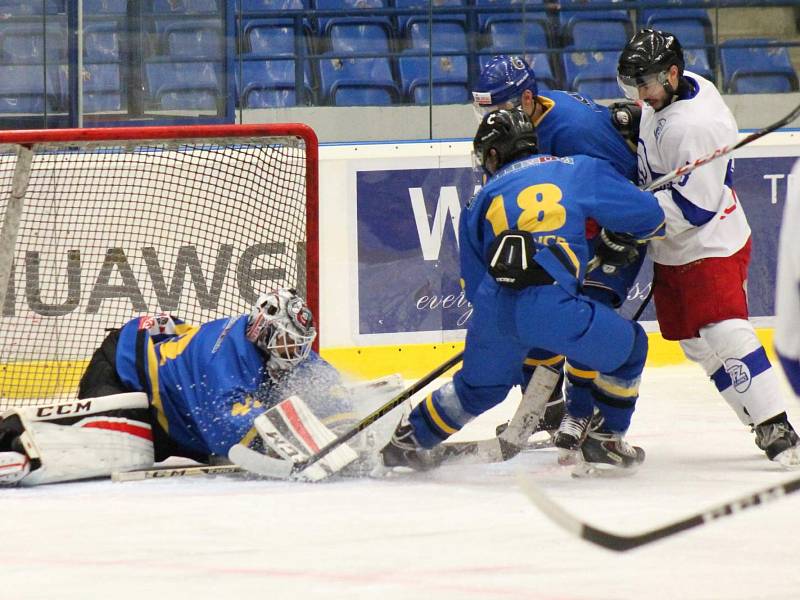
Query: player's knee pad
x,y
439,416
81,439
580,402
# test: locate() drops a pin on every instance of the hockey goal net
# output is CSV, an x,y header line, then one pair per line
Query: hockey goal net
x,y
101,225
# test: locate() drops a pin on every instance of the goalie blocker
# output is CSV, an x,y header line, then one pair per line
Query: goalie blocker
x,y
77,439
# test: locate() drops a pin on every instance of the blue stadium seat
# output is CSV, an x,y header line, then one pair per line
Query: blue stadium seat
x,y
697,62
449,75
678,20
516,37
600,35
357,37
526,12
569,18
756,66
23,8
323,23
103,88
422,14
270,84
259,9
546,78
22,89
186,7
183,85
26,43
592,73
446,36
101,43
337,74
105,7
194,39
265,37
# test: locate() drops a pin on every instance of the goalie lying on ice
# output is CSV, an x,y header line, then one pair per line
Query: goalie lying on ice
x,y
159,387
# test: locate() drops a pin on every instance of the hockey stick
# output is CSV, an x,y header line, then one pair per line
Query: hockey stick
x,y
622,543
164,472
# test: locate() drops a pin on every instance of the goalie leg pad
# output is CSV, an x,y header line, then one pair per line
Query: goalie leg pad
x,y
80,439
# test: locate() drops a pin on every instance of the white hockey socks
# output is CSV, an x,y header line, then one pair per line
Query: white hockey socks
x,y
83,439
294,434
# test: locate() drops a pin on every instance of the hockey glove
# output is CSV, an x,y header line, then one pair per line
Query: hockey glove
x,y
616,250
626,117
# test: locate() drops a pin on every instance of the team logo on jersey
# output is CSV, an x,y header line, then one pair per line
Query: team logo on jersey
x,y
739,374
659,127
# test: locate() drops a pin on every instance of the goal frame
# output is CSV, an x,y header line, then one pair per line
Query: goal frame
x,y
32,137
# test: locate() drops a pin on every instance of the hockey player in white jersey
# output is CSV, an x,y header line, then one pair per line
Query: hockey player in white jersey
x,y
701,266
787,295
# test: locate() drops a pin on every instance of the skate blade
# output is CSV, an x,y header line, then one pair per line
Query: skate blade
x,y
568,458
585,470
789,459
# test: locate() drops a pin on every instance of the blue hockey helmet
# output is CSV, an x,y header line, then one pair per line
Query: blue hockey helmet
x,y
502,82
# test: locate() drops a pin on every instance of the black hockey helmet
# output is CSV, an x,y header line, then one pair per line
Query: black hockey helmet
x,y
648,53
509,132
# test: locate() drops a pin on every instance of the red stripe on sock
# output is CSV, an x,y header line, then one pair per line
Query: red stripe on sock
x,y
137,430
294,420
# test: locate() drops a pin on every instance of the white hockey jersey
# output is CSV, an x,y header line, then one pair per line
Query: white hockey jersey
x,y
787,295
703,216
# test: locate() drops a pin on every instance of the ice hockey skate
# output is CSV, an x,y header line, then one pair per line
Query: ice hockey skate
x,y
403,450
569,437
606,454
778,439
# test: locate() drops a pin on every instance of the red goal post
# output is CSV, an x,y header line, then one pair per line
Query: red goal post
x,y
101,225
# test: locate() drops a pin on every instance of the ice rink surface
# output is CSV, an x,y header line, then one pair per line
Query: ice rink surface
x,y
462,531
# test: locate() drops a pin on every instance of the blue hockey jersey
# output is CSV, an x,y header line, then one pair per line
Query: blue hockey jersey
x,y
208,383
552,198
574,124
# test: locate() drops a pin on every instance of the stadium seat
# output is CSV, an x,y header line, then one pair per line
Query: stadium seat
x,y
568,19
323,23
422,13
756,66
526,12
449,75
446,36
182,85
22,89
27,43
600,35
267,38
105,7
194,39
102,87
366,74
683,22
353,38
24,8
101,43
273,13
591,73
186,7
270,84
697,61
516,37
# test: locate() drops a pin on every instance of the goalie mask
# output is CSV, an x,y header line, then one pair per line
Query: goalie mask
x,y
282,326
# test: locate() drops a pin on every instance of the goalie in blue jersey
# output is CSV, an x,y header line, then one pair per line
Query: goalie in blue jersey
x,y
523,256
159,387
568,124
